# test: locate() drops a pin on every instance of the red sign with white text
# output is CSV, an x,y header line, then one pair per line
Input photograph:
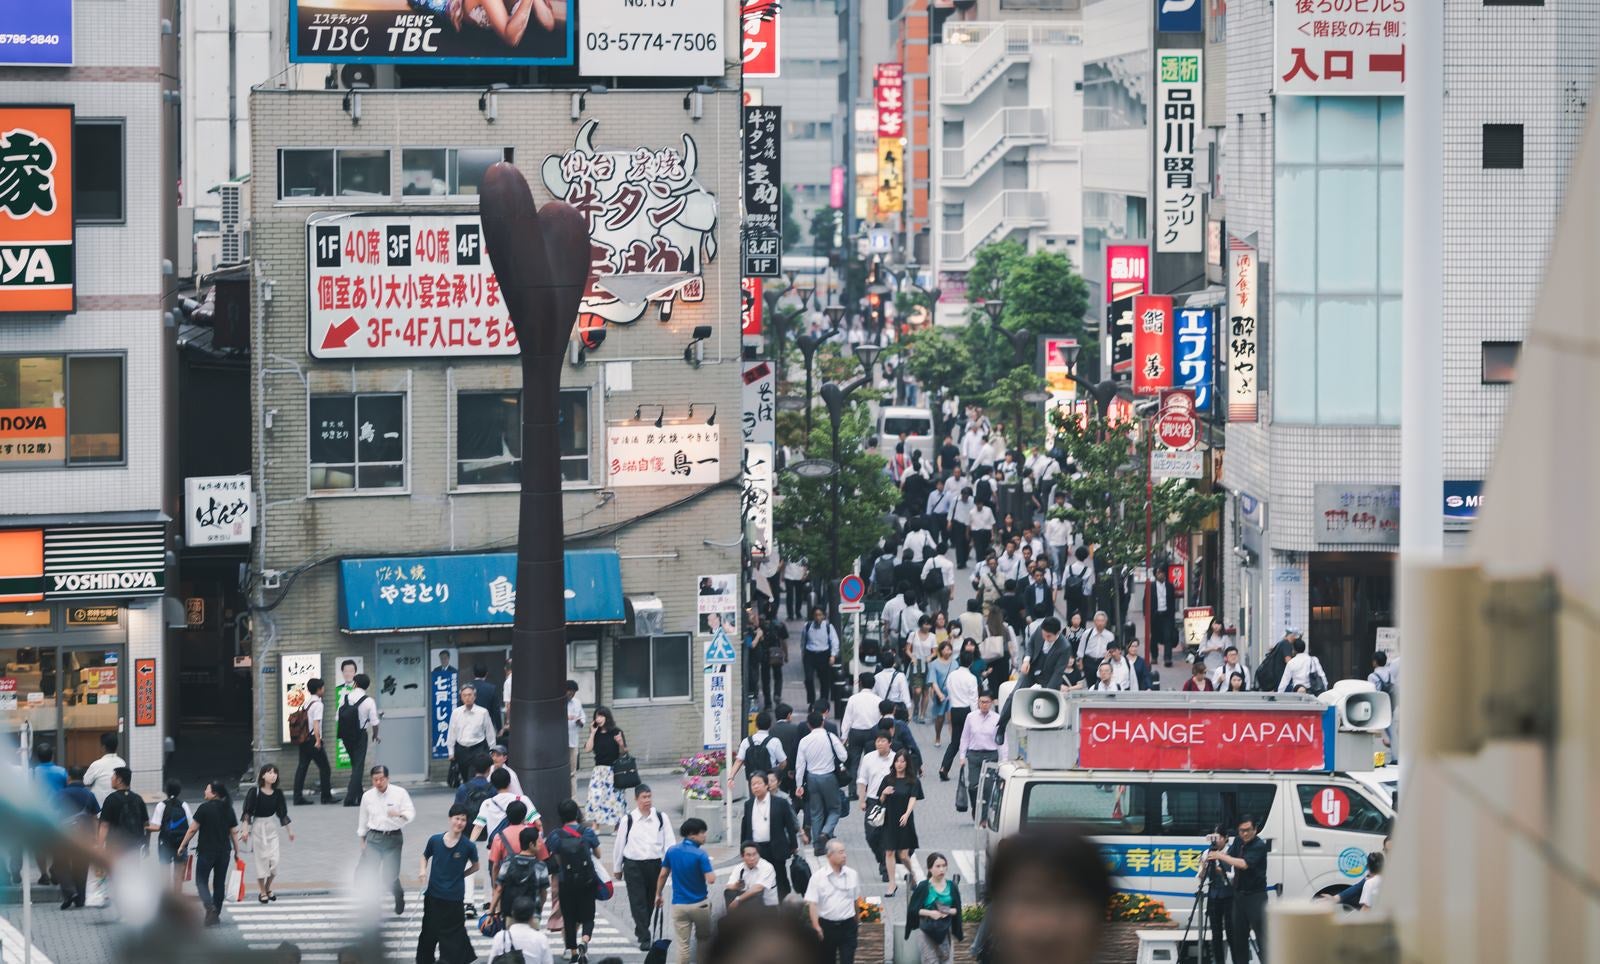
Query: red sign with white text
x,y
889,94
750,306
1176,574
758,21
1127,270
1152,344
1141,738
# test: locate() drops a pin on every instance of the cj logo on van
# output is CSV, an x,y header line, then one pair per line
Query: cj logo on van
x,y
36,209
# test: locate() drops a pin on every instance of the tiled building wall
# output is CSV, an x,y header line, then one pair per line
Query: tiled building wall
x,y
660,555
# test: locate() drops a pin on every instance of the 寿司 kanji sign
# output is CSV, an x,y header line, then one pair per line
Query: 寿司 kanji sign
x,y
641,454
1351,47
398,285
1141,738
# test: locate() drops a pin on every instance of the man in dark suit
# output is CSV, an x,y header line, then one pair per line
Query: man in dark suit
x,y
1038,594
1047,664
488,695
769,822
788,733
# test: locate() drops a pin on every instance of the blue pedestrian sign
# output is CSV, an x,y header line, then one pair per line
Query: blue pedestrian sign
x,y
720,649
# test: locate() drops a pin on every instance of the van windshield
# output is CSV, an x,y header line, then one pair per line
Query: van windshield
x,y
895,424
1099,808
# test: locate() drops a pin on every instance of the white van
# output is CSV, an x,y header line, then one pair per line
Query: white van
x,y
917,423
1320,821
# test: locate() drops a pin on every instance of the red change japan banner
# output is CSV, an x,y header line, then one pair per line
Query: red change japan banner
x,y
1116,738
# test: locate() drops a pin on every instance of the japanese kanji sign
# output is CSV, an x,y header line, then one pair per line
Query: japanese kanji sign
x,y
641,454
889,93
37,264
296,669
756,501
760,396
891,176
1350,47
751,307
219,510
1152,344
763,191
1191,353
1127,270
396,285
758,27
647,214
1240,313
1180,225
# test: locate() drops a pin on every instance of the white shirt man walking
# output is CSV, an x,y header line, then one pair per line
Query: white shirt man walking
x,y
831,898
470,731
642,841
385,811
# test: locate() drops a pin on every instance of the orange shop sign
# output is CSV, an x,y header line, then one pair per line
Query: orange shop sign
x,y
21,565
33,436
37,263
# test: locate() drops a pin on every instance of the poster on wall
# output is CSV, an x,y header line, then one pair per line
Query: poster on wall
x,y
483,33
648,217
1240,333
751,308
443,679
1180,225
641,454
219,510
144,692
37,33
717,604
1350,49
37,234
296,670
629,38
349,666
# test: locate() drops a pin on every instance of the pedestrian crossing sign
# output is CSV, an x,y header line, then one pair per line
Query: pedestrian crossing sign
x,y
720,649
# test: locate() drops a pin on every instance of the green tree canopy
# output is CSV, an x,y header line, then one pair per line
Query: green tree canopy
x,y
803,515
1042,294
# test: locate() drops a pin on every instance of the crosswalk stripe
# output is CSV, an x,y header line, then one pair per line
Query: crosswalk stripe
x,y
964,864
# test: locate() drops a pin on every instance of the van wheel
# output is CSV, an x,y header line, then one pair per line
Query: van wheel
x,y
1331,891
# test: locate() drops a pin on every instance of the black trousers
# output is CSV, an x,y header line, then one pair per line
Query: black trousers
x,y
771,682
212,891
794,591
1219,914
1249,914
839,941
857,743
961,538
639,876
311,753
1163,635
577,912
467,754
780,863
444,929
72,873
958,722
356,748
817,668
1001,671
981,540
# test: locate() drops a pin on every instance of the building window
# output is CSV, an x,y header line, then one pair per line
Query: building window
x,y
446,171
1114,93
1336,312
63,410
954,215
1502,147
572,428
98,173
1500,362
488,438
358,442
350,172
651,668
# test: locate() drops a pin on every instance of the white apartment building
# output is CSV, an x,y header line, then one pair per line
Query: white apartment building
x,y
1116,131
809,88
1007,140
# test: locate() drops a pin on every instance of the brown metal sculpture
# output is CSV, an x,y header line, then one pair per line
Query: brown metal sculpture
x,y
541,260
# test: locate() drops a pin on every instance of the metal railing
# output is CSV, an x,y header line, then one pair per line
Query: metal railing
x,y
975,53
1011,125
1008,211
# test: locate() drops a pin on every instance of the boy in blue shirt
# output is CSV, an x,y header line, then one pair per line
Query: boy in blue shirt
x,y
691,873
447,861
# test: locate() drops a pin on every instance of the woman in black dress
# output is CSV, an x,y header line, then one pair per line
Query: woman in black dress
x,y
900,793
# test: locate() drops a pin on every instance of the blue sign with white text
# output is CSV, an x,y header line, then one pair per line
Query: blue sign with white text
x,y
1462,500
442,687
1180,16
37,33
1191,352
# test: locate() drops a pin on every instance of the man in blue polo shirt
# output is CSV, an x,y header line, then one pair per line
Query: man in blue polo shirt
x,y
692,875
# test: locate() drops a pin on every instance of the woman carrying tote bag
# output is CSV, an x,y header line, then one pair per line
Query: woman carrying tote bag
x,y
934,913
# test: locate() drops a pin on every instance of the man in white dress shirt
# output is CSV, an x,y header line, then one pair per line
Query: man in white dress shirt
x,y
385,809
962,686
831,898
575,724
755,879
860,718
98,777
471,729
870,775
1297,671
642,840
819,753
1231,664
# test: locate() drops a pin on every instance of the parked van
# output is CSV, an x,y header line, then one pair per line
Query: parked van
x,y
1169,769
917,423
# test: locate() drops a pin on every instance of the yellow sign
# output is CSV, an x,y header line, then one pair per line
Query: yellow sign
x,y
891,175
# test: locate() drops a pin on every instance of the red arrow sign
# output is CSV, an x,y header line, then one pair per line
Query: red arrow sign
x,y
338,335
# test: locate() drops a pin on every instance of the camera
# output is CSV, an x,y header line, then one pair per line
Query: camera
x,y
1217,839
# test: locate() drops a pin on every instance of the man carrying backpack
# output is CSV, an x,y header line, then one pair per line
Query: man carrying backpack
x,y
309,738
522,875
170,821
124,818
471,796
642,842
573,851
760,752
358,718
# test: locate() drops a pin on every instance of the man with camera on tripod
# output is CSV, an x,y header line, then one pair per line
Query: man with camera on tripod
x,y
1213,904
1247,855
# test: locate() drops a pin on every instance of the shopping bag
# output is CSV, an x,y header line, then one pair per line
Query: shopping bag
x,y
188,868
99,887
604,889
235,889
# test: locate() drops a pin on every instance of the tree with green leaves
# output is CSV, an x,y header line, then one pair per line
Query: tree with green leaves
x,y
1041,293
938,359
1106,497
824,223
791,224
1005,405
803,515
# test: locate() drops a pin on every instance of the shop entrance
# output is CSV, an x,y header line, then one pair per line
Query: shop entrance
x,y
400,678
1352,594
61,676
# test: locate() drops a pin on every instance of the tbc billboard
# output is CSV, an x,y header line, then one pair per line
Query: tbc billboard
x,y
430,32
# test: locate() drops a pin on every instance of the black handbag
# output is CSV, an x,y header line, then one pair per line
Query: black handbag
x,y
799,874
961,789
625,772
661,944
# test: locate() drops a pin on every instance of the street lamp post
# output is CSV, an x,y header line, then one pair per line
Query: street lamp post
x,y
809,343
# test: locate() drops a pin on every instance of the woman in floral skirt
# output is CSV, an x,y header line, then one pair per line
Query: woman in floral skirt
x,y
606,805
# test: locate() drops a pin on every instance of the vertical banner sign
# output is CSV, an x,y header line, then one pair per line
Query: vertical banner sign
x,y
1241,332
763,195
750,307
889,94
1191,351
758,30
718,708
1179,16
1181,226
1152,344
756,507
144,692
836,188
442,679
759,395
1339,48
297,668
37,263
1127,273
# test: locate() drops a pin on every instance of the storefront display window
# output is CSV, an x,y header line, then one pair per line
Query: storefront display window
x,y
60,679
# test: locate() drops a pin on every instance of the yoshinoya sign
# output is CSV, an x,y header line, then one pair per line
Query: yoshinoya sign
x,y
398,285
218,511
94,562
37,33
1362,514
652,38
641,454
1349,47
479,32
1142,738
37,226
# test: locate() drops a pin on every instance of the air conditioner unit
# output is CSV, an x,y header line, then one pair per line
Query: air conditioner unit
x,y
235,221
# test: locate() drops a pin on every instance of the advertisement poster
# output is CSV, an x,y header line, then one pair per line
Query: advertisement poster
x,y
763,192
33,437
758,27
297,668
717,603
36,195
760,397
1191,350
479,32
1152,344
1180,16
37,33
1353,49
756,500
349,666
144,692
443,679
1180,225
751,308
672,455
219,510
1210,739
628,38
1241,332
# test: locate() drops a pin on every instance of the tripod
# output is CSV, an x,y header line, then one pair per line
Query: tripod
x,y
1201,911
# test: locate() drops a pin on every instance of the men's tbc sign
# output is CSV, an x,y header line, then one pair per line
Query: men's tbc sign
x,y
1197,739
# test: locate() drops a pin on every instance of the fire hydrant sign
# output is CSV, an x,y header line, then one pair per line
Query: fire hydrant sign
x,y
1348,47
399,286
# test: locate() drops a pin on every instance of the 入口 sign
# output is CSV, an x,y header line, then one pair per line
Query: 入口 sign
x,y
220,510
37,234
1348,47
672,455
630,38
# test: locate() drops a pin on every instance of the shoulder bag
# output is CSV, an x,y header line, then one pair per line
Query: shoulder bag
x,y
625,772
